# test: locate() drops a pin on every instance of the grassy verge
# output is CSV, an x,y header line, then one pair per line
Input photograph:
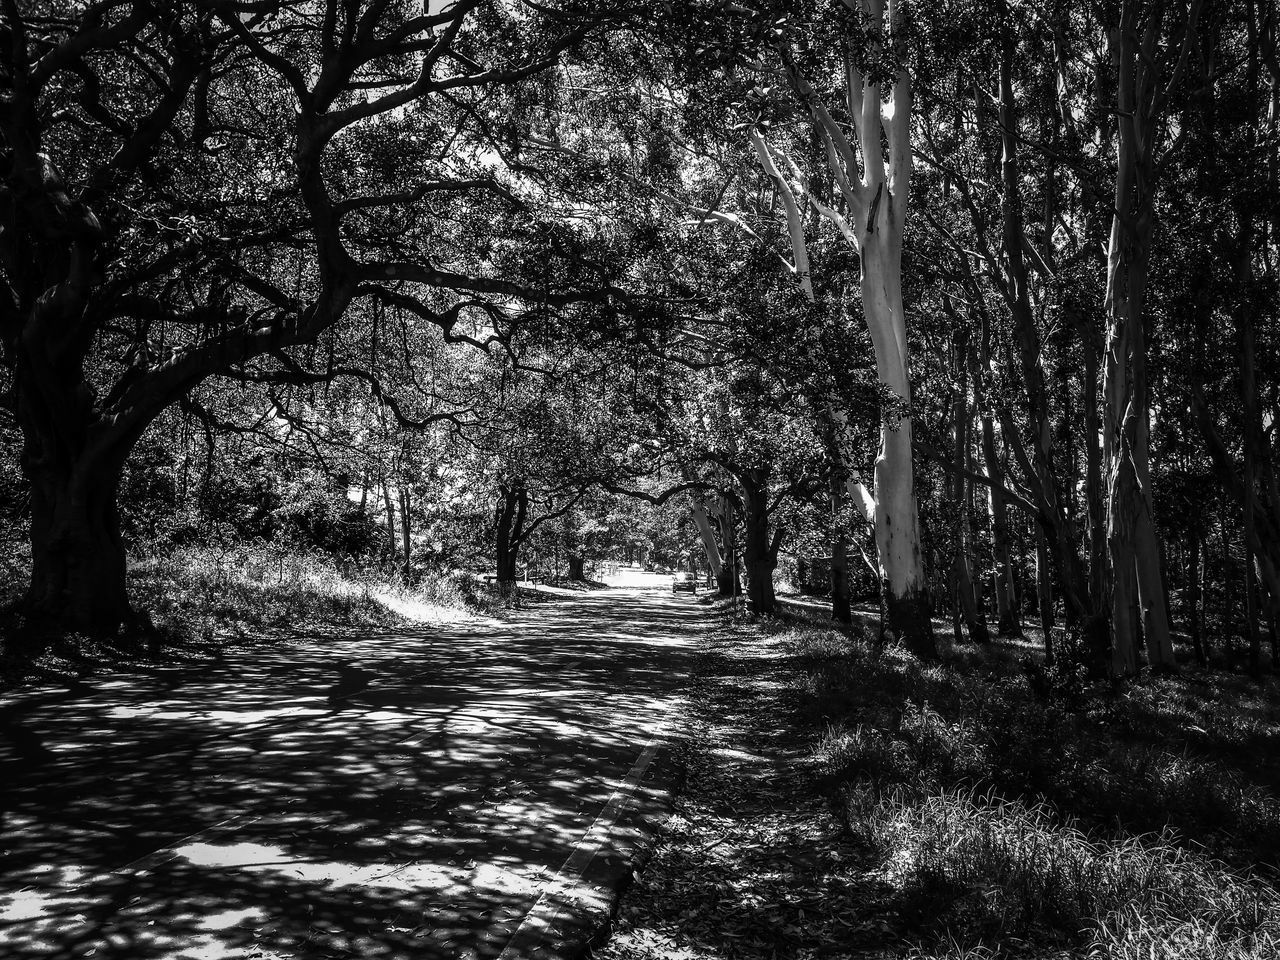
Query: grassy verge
x,y
263,590
200,598
974,808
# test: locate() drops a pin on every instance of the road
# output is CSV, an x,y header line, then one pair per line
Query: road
x,y
429,794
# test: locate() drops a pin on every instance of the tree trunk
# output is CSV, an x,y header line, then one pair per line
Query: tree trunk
x,y
757,555
391,520
709,544
1041,475
727,580
841,611
1098,640
77,554
1194,575
1009,624
1130,526
897,525
406,540
1151,591
1251,613
1044,595
512,510
577,566
974,621
877,196
1135,47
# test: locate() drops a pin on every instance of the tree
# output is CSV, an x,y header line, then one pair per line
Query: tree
x,y
1147,73
194,193
872,189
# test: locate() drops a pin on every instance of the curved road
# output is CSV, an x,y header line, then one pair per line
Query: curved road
x,y
416,794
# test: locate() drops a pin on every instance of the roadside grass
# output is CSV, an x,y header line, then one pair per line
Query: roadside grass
x,y
1013,803
199,598
263,590
981,808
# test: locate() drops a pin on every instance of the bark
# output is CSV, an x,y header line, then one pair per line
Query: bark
x,y
513,509
974,622
389,506
709,544
77,554
756,548
1194,576
841,611
1099,642
1131,537
727,581
577,566
1009,623
897,521
405,531
1044,595
1251,613
1038,464
874,184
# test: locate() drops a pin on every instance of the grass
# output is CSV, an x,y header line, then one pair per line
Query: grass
x,y
980,808
259,589
201,597
1021,807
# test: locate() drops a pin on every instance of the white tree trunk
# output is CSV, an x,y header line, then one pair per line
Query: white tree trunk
x,y
874,185
708,535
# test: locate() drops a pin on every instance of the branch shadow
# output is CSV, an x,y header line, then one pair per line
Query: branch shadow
x,y
382,796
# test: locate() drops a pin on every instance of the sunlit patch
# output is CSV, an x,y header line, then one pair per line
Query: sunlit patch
x,y
229,855
334,874
226,919
237,717
50,898
415,611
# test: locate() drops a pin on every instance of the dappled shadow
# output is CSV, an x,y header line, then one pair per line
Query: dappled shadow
x,y
1128,759
754,864
381,796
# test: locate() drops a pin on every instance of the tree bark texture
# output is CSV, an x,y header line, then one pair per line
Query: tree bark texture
x,y
756,551
1131,528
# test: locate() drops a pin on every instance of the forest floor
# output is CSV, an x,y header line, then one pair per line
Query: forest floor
x,y
841,803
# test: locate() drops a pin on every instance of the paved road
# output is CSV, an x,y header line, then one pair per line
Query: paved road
x,y
381,797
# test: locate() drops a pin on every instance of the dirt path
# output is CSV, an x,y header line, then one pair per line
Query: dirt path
x,y
400,795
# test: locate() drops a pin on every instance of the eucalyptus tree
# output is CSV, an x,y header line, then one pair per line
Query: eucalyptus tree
x,y
839,78
1007,196
195,190
859,65
1150,42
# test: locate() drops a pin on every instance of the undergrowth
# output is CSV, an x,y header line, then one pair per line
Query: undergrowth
x,y
195,598
1012,814
260,589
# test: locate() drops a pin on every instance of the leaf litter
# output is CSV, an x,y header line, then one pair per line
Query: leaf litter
x,y
754,861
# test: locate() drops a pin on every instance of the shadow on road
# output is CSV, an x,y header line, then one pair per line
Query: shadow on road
x,y
384,796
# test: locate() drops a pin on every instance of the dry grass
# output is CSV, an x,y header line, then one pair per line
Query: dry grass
x,y
248,590
201,597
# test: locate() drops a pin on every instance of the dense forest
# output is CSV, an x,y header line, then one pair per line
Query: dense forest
x,y
984,294
961,317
